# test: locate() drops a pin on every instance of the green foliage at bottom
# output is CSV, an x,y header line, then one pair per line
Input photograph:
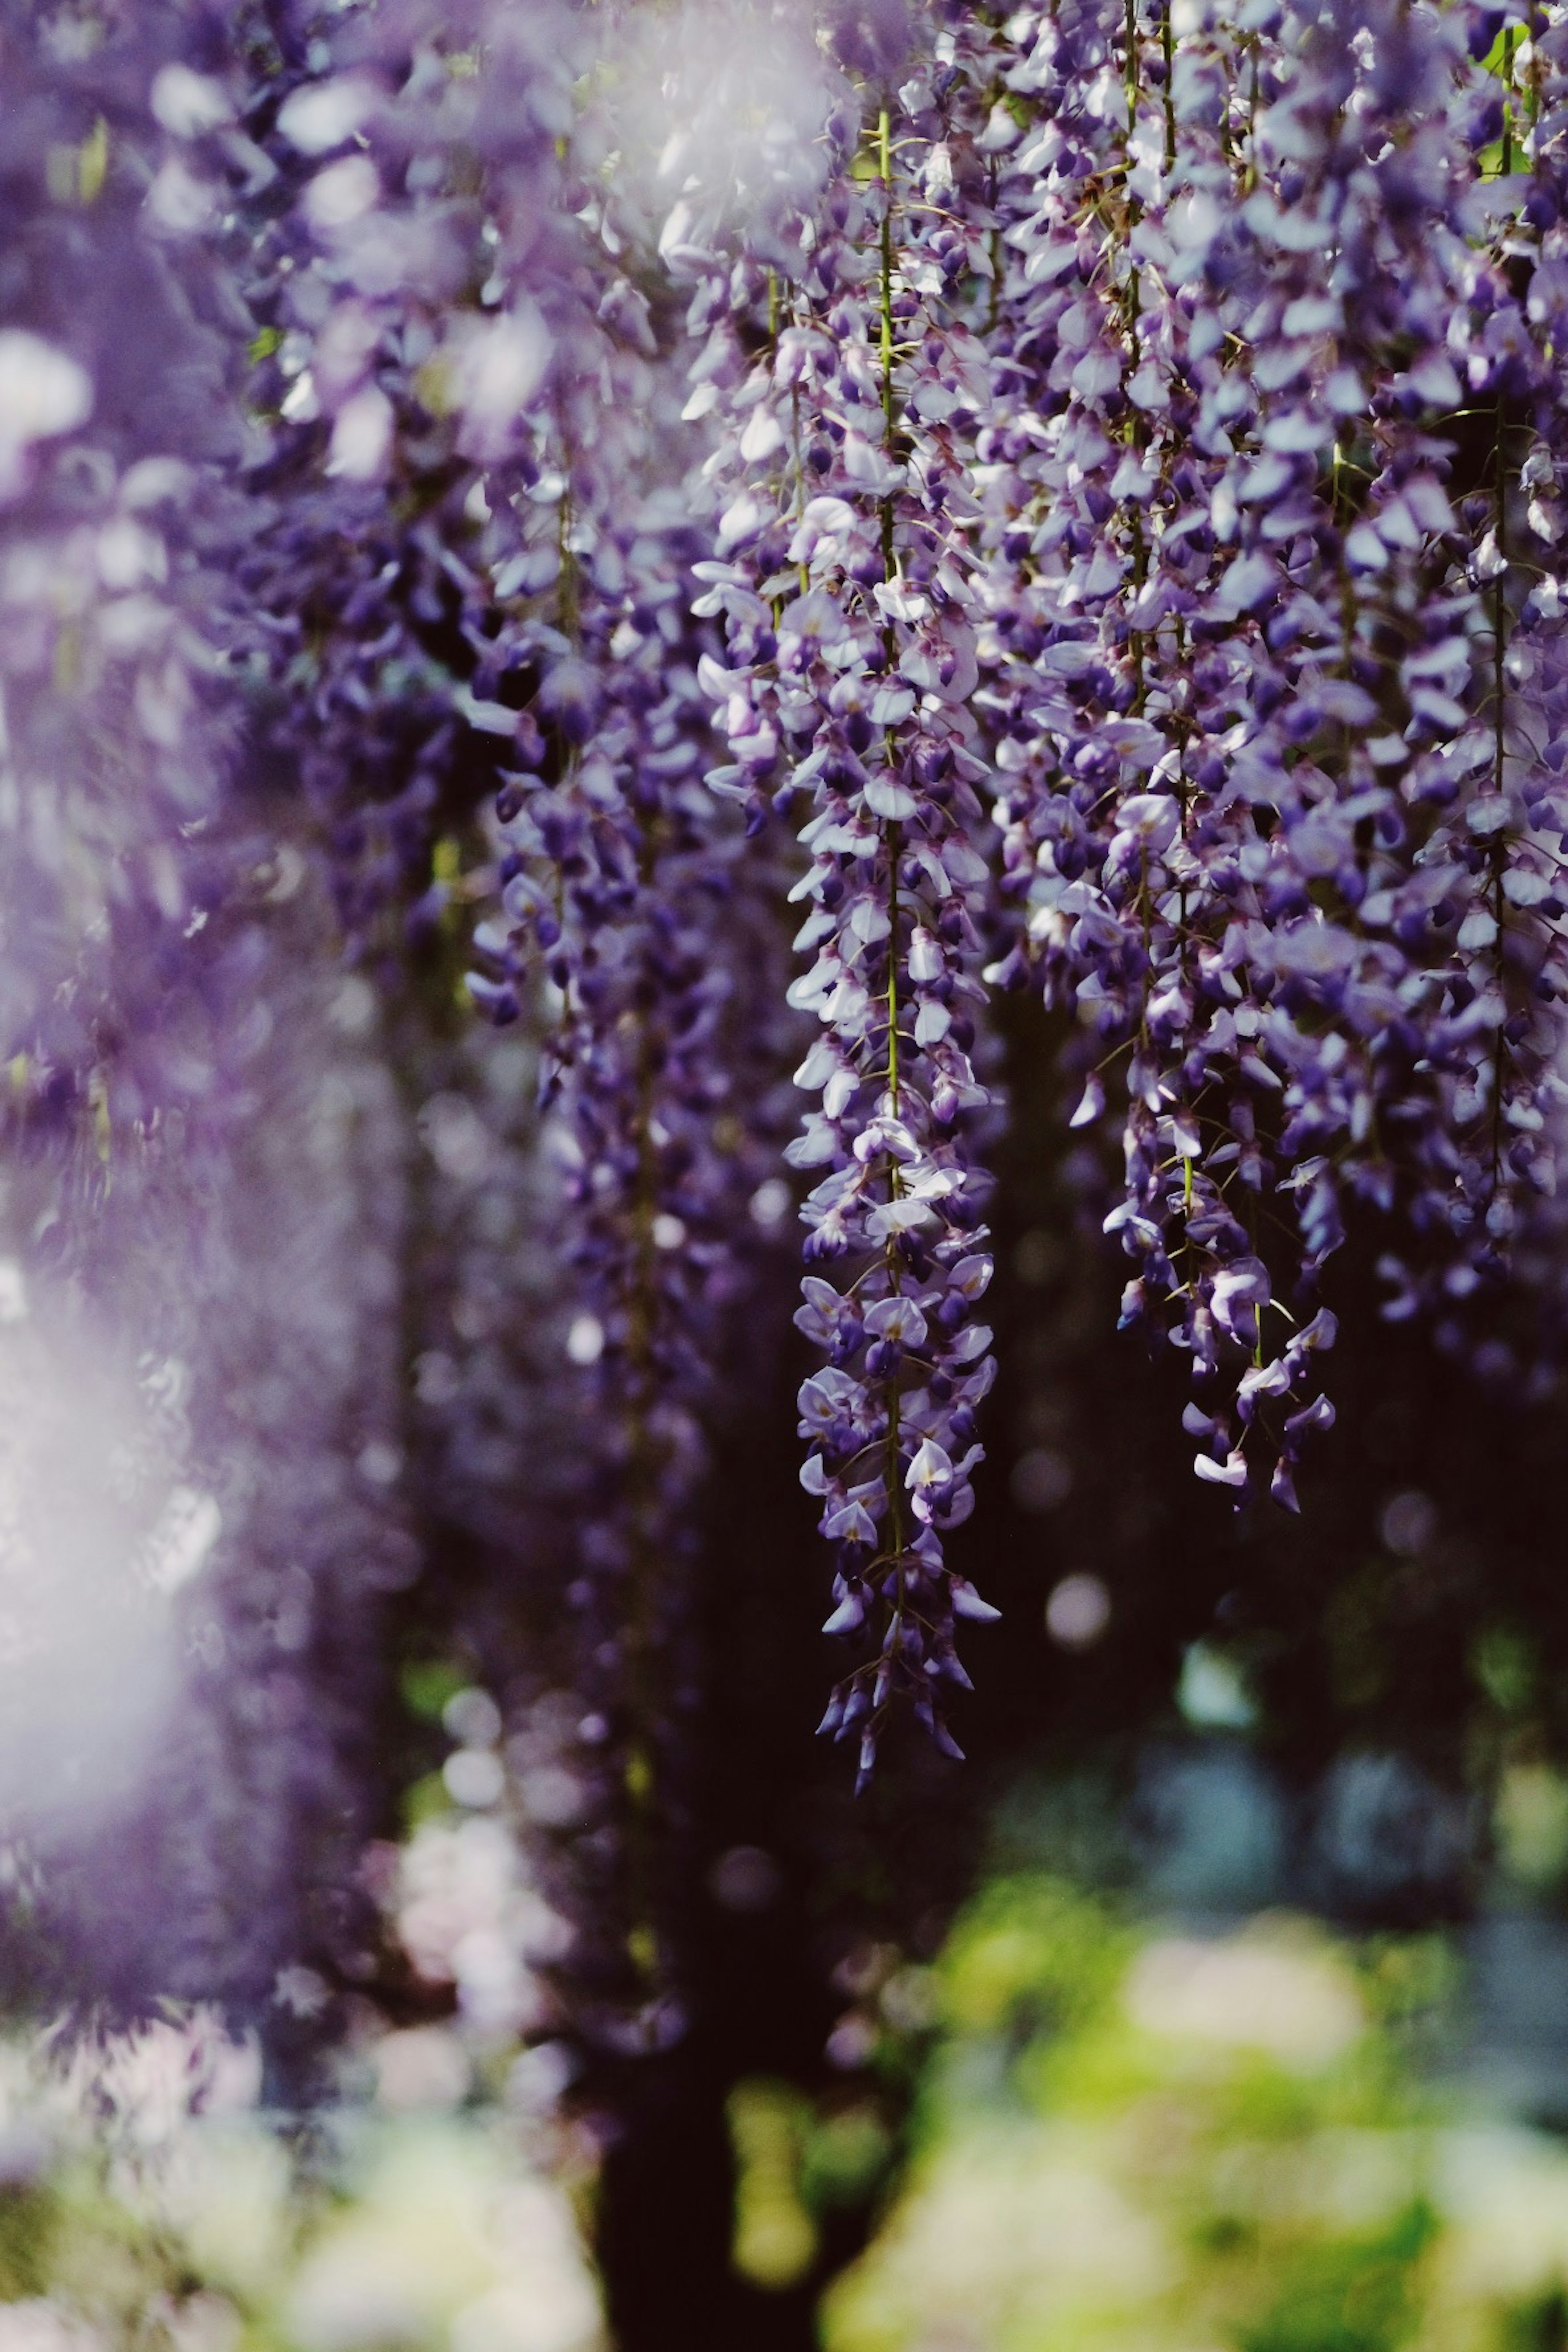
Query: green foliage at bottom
x,y
1133,2139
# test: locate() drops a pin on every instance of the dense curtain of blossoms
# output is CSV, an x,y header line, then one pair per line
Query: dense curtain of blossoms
x,y
515,505
1313,917
1212,361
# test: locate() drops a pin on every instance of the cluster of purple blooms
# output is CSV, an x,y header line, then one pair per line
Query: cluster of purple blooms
x,y
1157,432
842,569
1279,784
1068,502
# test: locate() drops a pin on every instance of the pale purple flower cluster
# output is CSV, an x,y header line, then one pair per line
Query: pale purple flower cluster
x,y
411,264
203,1183
844,570
633,939
623,937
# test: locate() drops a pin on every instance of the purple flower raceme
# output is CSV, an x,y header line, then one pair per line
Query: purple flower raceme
x,y
629,932
843,567
1238,667
118,743
1104,473
411,257
1496,835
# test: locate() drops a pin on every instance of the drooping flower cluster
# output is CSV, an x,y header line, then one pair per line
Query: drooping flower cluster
x,y
842,569
626,932
1254,698
412,263
635,937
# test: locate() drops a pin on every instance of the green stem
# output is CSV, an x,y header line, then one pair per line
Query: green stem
x,y
799,476
892,1475
642,1486
641,1779
885,165
569,615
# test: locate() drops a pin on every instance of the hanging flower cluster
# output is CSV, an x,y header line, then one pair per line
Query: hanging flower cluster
x,y
1256,693
843,571
1233,476
626,931
410,264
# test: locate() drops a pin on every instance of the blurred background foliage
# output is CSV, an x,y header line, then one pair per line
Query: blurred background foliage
x,y
148,2201
1141,2137
1124,2127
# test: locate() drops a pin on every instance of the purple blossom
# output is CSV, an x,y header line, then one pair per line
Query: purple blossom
x,y
847,675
